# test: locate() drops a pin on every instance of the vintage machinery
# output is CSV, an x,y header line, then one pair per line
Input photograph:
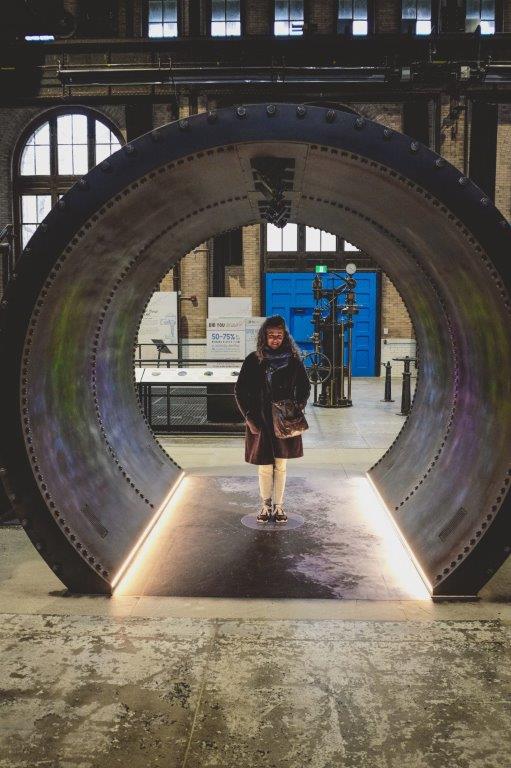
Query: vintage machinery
x,y
330,365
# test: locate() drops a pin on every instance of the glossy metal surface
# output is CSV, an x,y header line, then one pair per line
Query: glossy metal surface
x,y
87,474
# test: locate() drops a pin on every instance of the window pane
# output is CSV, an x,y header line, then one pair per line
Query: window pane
x,y
281,28
155,30
281,10
43,207
487,27
327,241
296,10
42,135
290,237
218,28
28,161
79,129
349,246
80,159
34,208
65,159
233,10
360,9
218,10
296,28
42,160
345,9
473,9
65,129
28,208
360,27
312,239
102,152
27,230
423,28
155,11
423,9
488,10
409,9
169,30
273,238
102,133
170,10
233,29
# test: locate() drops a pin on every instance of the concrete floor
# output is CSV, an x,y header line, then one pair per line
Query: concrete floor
x,y
91,682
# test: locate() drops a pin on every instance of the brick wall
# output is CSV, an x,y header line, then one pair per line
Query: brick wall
x,y
387,16
394,315
503,175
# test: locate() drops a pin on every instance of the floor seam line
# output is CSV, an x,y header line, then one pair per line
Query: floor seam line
x,y
201,691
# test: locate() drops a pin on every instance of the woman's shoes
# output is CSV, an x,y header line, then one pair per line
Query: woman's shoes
x,y
264,515
278,514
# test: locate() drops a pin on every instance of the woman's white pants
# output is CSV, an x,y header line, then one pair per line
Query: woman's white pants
x,y
272,480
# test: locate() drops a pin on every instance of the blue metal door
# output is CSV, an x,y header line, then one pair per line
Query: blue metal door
x,y
290,294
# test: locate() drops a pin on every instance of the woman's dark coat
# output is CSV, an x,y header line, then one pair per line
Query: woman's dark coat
x,y
254,402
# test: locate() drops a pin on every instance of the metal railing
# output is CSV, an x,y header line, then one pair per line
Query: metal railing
x,y
7,252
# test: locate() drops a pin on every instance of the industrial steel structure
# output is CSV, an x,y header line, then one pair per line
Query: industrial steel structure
x,y
81,467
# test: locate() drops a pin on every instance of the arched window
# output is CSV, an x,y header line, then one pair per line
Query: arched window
x,y
52,154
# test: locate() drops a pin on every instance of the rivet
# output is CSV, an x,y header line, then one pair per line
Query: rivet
x,y
155,136
359,123
106,165
387,133
440,162
83,184
301,111
43,226
212,116
129,149
462,180
38,546
330,116
414,146
183,124
61,203
271,110
485,201
241,112
55,567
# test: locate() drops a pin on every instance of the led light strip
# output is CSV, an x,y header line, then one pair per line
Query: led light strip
x,y
402,539
128,563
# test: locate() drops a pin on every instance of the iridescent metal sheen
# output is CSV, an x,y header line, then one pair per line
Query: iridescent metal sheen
x,y
86,473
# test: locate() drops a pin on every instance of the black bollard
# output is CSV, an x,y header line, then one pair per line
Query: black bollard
x,y
388,383
406,398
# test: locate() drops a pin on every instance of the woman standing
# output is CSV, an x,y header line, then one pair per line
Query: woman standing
x,y
273,372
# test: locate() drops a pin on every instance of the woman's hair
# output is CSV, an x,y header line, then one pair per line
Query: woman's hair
x,y
275,321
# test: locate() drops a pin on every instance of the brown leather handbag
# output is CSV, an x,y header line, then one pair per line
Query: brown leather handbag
x,y
288,419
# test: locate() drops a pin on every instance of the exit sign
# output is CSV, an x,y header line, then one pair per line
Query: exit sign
x,y
321,268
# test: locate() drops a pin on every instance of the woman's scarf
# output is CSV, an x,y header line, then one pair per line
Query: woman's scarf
x,y
275,359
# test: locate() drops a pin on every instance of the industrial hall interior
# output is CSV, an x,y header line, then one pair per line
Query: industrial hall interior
x,y
255,422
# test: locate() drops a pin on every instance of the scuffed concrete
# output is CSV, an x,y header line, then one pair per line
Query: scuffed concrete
x,y
97,692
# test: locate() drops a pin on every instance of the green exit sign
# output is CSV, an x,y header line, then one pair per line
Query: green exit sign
x,y
321,268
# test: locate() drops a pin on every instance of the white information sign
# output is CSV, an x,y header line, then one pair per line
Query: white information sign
x,y
252,325
160,319
229,306
226,338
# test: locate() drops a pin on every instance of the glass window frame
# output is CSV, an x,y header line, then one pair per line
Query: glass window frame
x,y
497,18
146,23
225,37
370,20
54,184
274,20
339,249
434,18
